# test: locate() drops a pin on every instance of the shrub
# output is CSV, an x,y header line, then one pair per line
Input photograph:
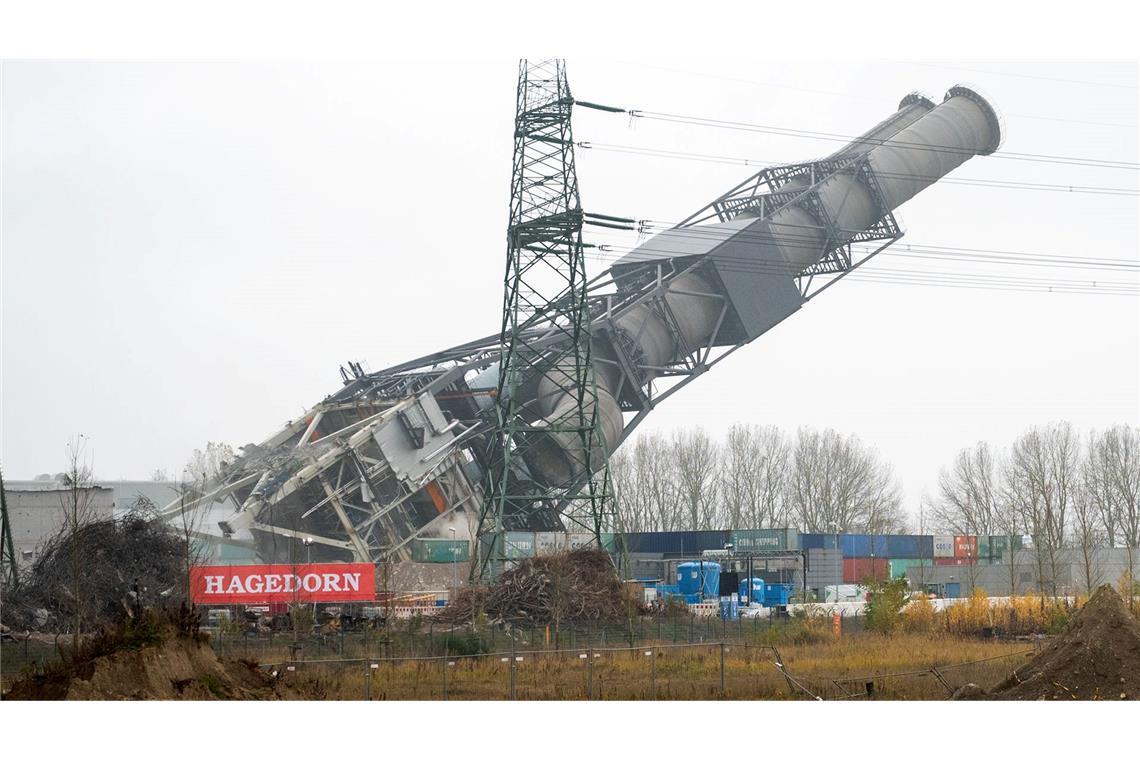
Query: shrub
x,y
885,602
918,616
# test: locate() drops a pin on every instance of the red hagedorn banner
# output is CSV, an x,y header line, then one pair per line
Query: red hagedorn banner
x,y
265,584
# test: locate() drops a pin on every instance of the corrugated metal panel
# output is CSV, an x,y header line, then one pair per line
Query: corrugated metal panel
x,y
943,546
965,546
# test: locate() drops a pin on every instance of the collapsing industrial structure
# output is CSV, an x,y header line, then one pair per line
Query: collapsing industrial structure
x,y
392,454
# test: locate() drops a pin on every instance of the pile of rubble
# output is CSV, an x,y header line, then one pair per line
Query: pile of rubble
x,y
574,586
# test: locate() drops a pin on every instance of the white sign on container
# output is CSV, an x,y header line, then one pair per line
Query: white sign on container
x,y
943,546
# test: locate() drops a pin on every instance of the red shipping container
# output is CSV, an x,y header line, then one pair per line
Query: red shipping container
x,y
859,569
966,546
955,561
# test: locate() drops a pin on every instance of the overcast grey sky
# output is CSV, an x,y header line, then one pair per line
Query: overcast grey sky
x,y
190,250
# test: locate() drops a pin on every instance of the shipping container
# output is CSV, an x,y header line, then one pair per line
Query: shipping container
x,y
984,550
549,543
440,550
955,561
859,569
676,543
817,541
579,540
857,545
943,546
518,544
904,547
966,546
999,545
764,539
900,566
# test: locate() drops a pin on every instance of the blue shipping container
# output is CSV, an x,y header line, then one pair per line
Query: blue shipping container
x,y
817,540
859,545
904,547
777,594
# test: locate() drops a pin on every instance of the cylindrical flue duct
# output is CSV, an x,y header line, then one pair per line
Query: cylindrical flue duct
x,y
907,152
962,126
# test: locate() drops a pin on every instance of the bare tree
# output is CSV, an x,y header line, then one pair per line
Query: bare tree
x,y
78,509
838,484
204,469
753,476
695,456
1041,480
657,482
969,500
1112,476
1088,536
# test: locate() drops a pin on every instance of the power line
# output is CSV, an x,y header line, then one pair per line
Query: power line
x,y
713,234
1025,76
863,98
837,137
977,182
963,281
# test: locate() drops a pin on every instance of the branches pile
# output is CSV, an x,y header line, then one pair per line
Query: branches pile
x,y
579,585
113,556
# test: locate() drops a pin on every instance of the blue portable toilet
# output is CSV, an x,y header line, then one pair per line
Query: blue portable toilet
x,y
700,579
752,591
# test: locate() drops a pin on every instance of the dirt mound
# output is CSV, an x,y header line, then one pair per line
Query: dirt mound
x,y
578,585
1097,656
176,669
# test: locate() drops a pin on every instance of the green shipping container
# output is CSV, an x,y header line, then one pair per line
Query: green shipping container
x,y
440,550
900,566
765,539
518,545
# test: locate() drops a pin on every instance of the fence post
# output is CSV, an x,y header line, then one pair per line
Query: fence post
x,y
590,673
446,665
514,666
367,681
653,670
722,691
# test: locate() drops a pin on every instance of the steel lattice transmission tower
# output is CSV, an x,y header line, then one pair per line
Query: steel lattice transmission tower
x,y
545,406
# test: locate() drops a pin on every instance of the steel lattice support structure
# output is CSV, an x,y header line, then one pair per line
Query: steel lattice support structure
x,y
515,426
546,389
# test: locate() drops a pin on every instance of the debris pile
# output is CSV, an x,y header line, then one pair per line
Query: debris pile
x,y
113,556
579,585
1097,656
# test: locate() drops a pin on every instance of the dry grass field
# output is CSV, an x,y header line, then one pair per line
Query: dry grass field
x,y
898,667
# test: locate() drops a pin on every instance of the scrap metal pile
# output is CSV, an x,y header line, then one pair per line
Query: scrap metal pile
x,y
575,586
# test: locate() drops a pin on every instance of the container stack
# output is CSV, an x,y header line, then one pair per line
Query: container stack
x,y
879,558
